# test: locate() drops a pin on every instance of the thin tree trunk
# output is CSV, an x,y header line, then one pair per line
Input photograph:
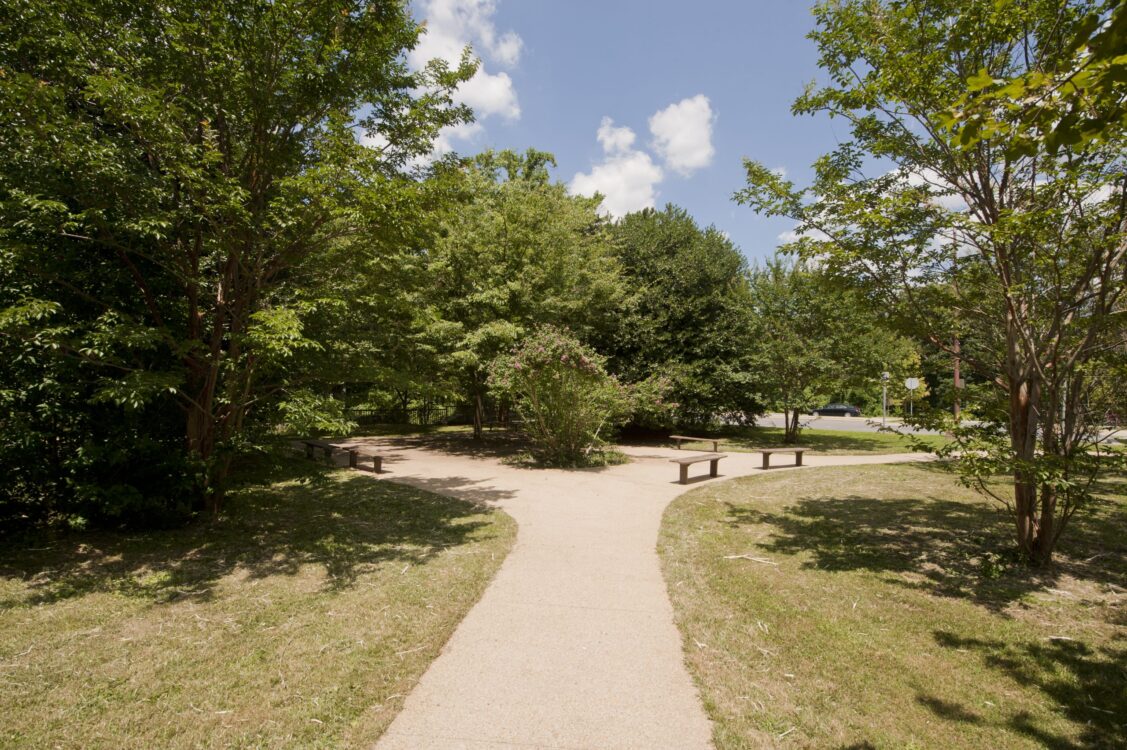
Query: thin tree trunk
x,y
790,429
1023,440
478,414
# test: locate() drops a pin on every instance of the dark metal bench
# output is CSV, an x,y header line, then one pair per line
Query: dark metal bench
x,y
796,451
712,458
683,438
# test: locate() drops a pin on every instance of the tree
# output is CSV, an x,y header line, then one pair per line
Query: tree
x,y
562,391
686,316
519,252
1024,249
1082,98
169,169
814,342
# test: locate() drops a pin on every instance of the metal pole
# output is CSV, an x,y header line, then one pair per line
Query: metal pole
x,y
883,404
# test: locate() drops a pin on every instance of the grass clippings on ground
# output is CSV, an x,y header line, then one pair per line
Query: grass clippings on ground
x,y
879,606
301,619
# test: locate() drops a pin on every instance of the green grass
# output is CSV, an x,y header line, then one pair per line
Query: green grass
x,y
878,613
302,619
736,439
829,442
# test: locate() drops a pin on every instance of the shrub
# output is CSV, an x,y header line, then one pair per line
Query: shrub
x,y
560,388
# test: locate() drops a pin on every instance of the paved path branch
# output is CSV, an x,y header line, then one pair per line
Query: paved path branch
x,y
573,644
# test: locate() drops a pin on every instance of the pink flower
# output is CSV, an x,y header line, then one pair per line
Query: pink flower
x,y
516,365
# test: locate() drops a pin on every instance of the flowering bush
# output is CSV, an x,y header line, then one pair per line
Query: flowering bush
x,y
563,393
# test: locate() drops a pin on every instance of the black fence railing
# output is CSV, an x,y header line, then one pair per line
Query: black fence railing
x,y
420,415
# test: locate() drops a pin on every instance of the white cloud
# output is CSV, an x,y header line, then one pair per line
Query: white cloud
x,y
464,131
627,182
451,26
940,188
627,179
615,140
683,134
507,49
375,140
489,95
794,236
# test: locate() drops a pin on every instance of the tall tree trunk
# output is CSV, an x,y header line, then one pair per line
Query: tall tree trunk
x,y
790,428
478,414
1024,397
405,404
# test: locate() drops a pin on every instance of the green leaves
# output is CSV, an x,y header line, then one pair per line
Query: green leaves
x,y
970,206
137,389
560,388
1076,97
179,183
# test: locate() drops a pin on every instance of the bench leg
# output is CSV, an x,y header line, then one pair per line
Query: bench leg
x,y
352,459
798,458
766,460
308,450
377,464
714,467
684,473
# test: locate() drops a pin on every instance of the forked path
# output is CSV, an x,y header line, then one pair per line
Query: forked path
x,y
573,644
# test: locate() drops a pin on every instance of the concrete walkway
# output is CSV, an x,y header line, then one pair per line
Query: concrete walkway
x,y
573,643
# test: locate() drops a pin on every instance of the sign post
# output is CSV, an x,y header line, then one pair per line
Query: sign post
x,y
911,384
884,378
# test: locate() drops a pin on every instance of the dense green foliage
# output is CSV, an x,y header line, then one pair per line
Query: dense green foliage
x,y
1078,97
519,253
687,315
815,342
200,253
172,176
563,394
1013,258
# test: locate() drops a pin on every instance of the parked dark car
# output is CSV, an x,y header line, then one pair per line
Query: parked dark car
x,y
837,410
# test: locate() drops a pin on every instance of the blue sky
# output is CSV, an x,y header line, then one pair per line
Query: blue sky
x,y
697,85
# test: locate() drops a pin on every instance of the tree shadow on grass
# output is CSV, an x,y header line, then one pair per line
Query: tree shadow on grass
x,y
942,546
496,444
344,523
509,446
1088,685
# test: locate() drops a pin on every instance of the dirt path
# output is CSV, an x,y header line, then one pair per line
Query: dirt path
x,y
573,644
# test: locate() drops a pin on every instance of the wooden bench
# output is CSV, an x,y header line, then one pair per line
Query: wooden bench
x,y
713,458
354,454
796,451
682,438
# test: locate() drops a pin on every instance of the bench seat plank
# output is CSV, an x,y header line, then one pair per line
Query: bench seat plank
x,y
687,461
682,438
796,450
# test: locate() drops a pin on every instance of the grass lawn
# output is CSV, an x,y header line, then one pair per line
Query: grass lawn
x,y
302,619
872,619
749,439
736,439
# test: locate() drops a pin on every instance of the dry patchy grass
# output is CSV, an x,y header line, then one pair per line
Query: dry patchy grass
x,y
875,615
301,619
